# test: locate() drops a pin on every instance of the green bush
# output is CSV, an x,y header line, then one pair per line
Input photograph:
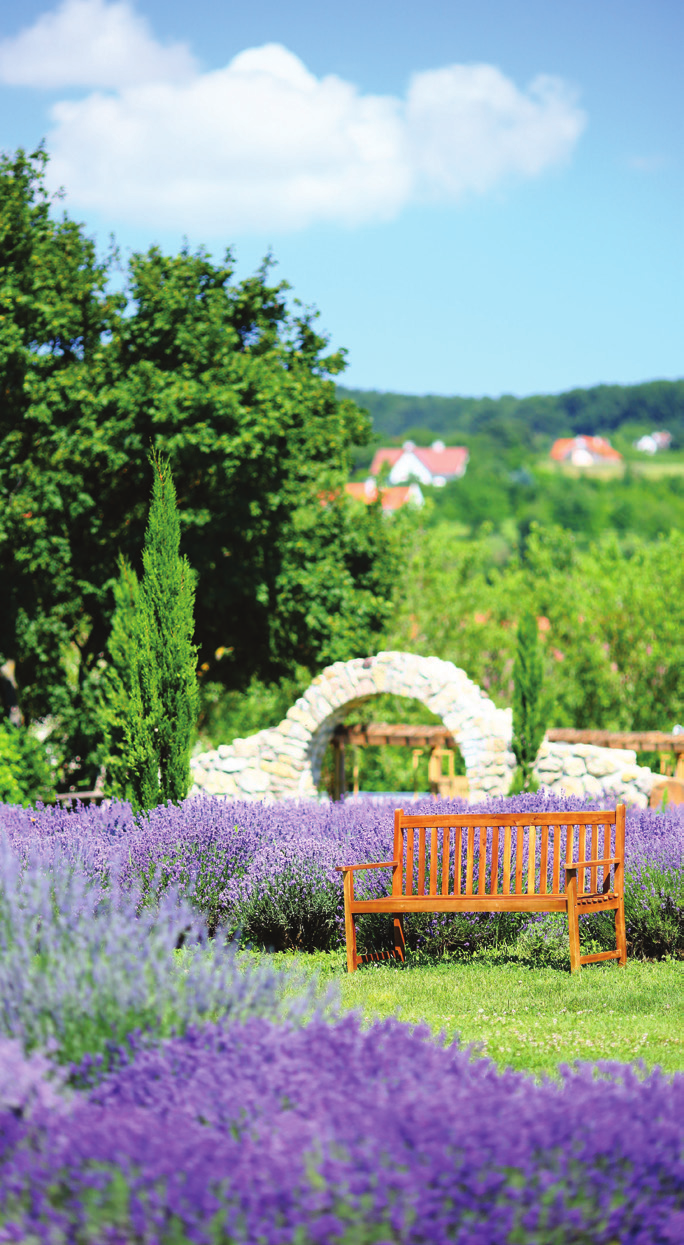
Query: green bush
x,y
25,774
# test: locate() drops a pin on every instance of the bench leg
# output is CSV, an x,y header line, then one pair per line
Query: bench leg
x,y
399,940
573,923
621,933
349,923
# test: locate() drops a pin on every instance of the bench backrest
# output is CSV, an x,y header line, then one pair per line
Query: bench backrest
x,y
507,854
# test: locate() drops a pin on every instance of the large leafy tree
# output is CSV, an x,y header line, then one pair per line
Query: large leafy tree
x,y
238,392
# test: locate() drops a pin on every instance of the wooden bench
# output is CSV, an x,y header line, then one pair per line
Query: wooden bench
x,y
569,862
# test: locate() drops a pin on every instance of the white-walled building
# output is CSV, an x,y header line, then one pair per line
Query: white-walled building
x,y
435,465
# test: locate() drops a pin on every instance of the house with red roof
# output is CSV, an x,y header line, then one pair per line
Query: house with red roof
x,y
390,498
584,451
435,465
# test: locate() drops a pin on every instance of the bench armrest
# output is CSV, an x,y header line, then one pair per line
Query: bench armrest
x,y
586,864
375,864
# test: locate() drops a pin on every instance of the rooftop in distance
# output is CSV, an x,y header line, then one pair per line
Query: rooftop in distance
x,y
434,466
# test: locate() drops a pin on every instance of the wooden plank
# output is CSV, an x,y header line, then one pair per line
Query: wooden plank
x,y
600,955
619,884
583,855
408,889
555,881
519,859
446,848
494,875
573,922
640,741
458,859
463,903
531,859
349,924
421,861
569,851
593,872
508,819
470,853
397,872
544,861
507,861
433,861
482,862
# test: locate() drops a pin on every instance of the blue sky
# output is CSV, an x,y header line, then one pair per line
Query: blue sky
x,y
480,197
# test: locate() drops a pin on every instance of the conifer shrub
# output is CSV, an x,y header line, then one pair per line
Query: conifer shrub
x,y
151,692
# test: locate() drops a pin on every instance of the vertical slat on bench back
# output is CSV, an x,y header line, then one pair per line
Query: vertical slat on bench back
x,y
421,861
458,860
531,858
569,846
507,861
482,861
494,867
584,855
409,861
544,861
470,856
433,858
398,853
519,846
593,872
556,887
446,862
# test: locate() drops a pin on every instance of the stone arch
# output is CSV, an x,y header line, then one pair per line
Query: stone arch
x,y
285,761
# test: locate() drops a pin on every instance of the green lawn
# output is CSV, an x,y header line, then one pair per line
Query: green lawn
x,y
527,1018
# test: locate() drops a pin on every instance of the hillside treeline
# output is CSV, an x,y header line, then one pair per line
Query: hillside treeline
x,y
528,423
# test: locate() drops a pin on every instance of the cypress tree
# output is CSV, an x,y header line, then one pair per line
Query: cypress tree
x,y
530,709
152,695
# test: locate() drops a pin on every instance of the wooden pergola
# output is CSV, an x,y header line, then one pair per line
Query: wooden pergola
x,y
440,743
436,739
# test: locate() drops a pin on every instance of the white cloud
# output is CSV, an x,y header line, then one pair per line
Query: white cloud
x,y
264,144
93,44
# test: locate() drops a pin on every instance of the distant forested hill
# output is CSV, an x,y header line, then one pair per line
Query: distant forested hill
x,y
529,423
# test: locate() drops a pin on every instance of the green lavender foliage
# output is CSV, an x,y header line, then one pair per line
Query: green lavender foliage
x,y
152,692
530,709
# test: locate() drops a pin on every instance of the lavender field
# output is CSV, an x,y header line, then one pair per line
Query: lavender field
x,y
151,1094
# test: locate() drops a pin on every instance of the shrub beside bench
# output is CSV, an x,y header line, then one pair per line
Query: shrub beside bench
x,y
571,862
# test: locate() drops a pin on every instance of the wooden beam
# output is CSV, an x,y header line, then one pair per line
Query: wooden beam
x,y
641,741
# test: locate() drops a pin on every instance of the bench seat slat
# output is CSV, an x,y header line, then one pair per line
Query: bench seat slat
x,y
509,819
462,903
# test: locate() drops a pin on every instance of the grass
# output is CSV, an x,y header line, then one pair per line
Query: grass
x,y
530,1019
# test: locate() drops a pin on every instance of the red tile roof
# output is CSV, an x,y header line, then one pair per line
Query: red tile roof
x,y
390,498
596,446
449,461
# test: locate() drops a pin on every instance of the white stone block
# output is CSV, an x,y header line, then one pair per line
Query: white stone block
x,y
253,781
573,766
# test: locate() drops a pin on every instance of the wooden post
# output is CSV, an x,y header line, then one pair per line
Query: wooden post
x,y
349,924
619,884
573,921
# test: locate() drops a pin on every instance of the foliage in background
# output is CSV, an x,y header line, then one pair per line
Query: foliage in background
x,y
25,771
530,709
150,689
527,424
614,647
238,391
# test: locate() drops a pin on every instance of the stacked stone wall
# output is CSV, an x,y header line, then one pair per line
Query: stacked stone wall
x,y
285,761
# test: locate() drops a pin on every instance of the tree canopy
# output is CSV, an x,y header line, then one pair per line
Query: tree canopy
x,y
238,391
